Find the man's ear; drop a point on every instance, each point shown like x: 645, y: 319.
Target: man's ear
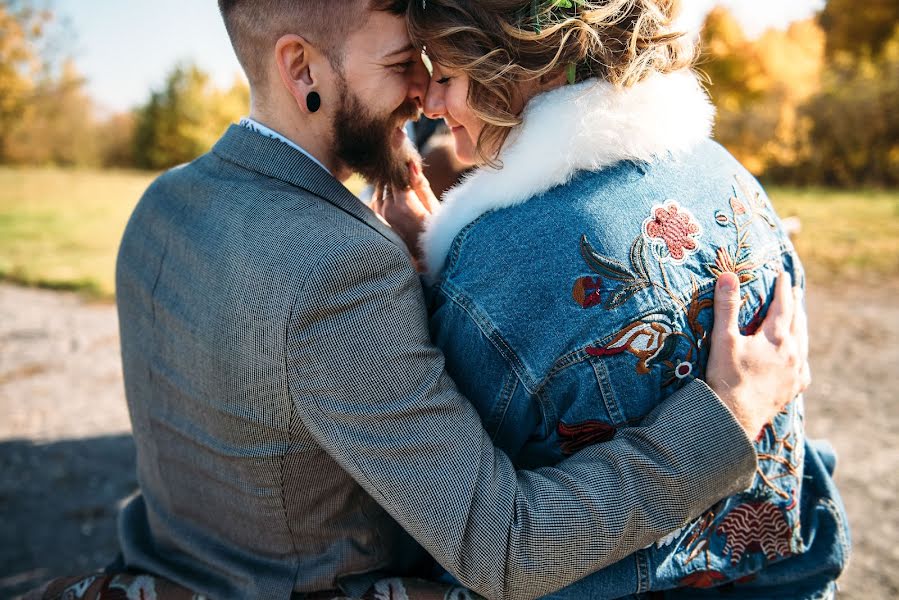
x: 295, y: 56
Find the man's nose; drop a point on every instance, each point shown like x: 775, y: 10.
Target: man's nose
x: 419, y: 78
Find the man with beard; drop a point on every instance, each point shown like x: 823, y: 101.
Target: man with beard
x: 295, y: 430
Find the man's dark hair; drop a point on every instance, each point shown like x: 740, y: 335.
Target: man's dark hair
x: 255, y: 25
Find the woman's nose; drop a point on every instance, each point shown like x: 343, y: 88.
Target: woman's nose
x: 434, y: 106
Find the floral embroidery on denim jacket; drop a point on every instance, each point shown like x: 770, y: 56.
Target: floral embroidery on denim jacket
x: 758, y: 523
x: 571, y: 316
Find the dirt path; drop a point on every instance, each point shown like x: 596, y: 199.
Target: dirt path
x: 66, y: 458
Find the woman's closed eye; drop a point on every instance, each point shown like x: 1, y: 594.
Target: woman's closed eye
x: 443, y: 80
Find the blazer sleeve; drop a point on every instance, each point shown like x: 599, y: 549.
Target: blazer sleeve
x: 371, y: 388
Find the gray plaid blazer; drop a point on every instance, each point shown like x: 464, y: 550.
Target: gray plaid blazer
x: 296, y: 430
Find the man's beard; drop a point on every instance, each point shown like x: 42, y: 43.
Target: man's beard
x: 364, y: 142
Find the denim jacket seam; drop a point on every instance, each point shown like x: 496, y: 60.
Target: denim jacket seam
x: 838, y: 516
x: 568, y: 359
x: 455, y: 251
x: 608, y: 337
x: 488, y: 330
x: 607, y: 392
x: 497, y: 416
x: 641, y: 560
x: 495, y: 338
x: 533, y: 387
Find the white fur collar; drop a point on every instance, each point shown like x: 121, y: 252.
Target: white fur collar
x: 588, y: 126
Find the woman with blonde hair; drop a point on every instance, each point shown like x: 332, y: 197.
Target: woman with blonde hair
x: 578, y: 260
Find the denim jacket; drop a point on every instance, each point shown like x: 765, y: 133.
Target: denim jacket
x: 584, y: 268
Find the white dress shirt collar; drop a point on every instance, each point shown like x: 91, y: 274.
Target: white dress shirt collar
x: 271, y: 133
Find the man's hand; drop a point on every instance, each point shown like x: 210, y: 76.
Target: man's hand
x: 757, y: 375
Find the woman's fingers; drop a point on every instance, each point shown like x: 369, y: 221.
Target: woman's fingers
x: 422, y: 187
x: 408, y: 209
x: 778, y: 321
x: 405, y: 204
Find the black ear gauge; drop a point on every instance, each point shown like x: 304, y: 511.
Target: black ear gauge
x: 313, y: 102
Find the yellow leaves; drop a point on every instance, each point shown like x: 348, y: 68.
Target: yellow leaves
x: 813, y: 103
x: 56, y: 126
x: 859, y: 29
x: 185, y: 118
x: 759, y: 85
x: 20, y: 64
x: 794, y: 59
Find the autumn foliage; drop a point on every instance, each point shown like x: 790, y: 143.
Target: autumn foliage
x: 812, y: 104
x: 48, y: 118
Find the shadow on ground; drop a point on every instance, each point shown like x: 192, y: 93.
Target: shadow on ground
x: 81, y: 482
x: 60, y: 380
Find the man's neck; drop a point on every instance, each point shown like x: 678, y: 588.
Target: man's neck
x: 304, y: 136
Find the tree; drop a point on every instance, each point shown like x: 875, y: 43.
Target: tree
x: 758, y: 86
x: 852, y: 125
x: 116, y: 140
x: 184, y: 119
x: 20, y: 62
x: 859, y: 28
x: 57, y: 127
x: 730, y: 62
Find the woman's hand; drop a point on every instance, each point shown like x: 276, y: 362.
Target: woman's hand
x: 757, y: 375
x: 407, y: 210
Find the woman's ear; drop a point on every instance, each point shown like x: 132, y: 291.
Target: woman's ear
x: 294, y: 56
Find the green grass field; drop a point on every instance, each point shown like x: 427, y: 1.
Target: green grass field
x: 845, y: 234
x: 60, y: 229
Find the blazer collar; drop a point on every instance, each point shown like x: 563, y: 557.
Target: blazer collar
x: 275, y: 159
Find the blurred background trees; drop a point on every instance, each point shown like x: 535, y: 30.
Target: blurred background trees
x: 185, y: 118
x: 813, y: 104
x: 859, y: 28
x: 21, y: 27
x: 48, y: 118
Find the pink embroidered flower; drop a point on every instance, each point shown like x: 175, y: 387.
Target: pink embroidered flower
x: 676, y: 227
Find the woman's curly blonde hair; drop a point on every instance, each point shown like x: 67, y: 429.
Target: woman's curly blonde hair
x: 500, y: 44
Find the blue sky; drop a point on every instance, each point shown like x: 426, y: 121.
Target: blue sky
x: 125, y: 47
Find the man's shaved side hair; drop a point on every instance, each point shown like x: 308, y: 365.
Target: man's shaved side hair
x: 254, y: 27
